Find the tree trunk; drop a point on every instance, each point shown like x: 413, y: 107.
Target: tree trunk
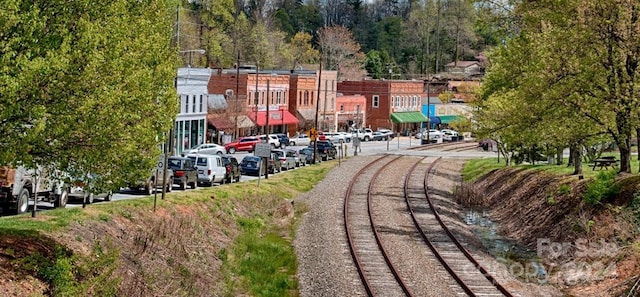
x: 576, y: 158
x: 559, y: 156
x: 624, y: 134
x: 572, y: 151
x: 638, y: 145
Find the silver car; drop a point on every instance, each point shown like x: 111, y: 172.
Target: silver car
x: 206, y: 149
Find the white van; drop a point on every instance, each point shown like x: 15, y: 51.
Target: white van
x: 211, y: 169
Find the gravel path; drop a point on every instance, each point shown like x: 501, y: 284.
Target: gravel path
x: 325, y: 267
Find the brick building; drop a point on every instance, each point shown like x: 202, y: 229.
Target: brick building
x: 400, y: 100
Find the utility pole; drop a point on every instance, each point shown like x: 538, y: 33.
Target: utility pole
x: 315, y: 142
x: 257, y: 99
x: 236, y: 130
x: 324, y: 113
x: 266, y: 130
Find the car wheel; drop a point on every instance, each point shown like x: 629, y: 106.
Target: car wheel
x: 89, y: 199
x: 62, y: 199
x: 109, y: 196
x: 183, y: 185
x: 292, y: 143
x: 23, y: 201
x: 366, y: 138
x: 232, y: 150
x: 238, y: 178
x: 194, y: 185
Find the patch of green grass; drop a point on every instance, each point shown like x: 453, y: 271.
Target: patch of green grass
x: 267, y: 264
x: 476, y: 168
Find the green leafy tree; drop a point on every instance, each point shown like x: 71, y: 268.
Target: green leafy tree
x: 86, y: 86
x: 302, y: 50
x: 374, y: 64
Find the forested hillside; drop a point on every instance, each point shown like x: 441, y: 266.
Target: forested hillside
x: 394, y: 39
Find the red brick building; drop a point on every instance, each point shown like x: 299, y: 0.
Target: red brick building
x: 252, y: 95
x: 387, y: 97
x: 350, y: 111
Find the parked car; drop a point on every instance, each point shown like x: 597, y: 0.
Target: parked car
x: 210, y: 169
x: 379, y: 136
x: 295, y: 156
x: 232, y: 168
x: 250, y: 165
x: 206, y: 148
x: 185, y: 172
x: 450, y: 135
x: 300, y: 139
x: 284, y: 139
x: 326, y: 150
x: 285, y: 162
x: 387, y: 132
x: 155, y: 180
x: 433, y: 134
x: 347, y: 136
x: 275, y: 164
x: 246, y: 144
x: 307, y: 155
x: 335, y: 137
x: 273, y: 140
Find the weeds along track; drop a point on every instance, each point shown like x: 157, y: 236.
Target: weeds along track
x: 471, y: 278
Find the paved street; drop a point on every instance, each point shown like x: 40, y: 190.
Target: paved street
x: 395, y: 146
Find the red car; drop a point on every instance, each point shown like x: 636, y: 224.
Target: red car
x: 246, y: 144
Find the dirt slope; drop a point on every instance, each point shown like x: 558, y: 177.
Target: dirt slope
x: 589, y: 250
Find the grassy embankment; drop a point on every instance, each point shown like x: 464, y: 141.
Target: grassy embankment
x: 259, y: 260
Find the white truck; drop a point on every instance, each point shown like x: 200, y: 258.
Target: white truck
x: 19, y: 185
x: 364, y: 134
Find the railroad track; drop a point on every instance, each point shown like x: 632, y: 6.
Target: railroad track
x: 377, y: 273
x: 471, y: 277
x: 374, y: 263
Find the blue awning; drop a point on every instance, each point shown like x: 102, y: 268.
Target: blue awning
x: 434, y: 120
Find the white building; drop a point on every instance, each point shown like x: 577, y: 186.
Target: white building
x: 191, y: 123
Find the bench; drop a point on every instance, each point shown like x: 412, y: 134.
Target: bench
x: 605, y: 162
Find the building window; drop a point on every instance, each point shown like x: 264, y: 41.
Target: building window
x: 376, y: 101
x: 341, y: 107
x: 201, y: 103
x: 333, y: 104
x: 186, y: 103
x: 193, y: 109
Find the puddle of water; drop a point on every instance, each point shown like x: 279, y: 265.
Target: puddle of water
x: 520, y: 261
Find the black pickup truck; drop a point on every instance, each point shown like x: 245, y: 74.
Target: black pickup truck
x: 326, y: 150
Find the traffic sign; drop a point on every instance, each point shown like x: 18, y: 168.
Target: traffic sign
x: 263, y: 149
x: 313, y: 134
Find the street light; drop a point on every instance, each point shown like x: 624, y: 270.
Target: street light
x: 199, y: 51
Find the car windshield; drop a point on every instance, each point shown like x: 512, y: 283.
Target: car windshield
x: 202, y: 162
x: 278, y: 153
x: 175, y: 163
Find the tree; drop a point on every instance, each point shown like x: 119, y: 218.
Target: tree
x: 374, y: 64
x: 87, y: 86
x: 302, y: 50
x: 340, y: 52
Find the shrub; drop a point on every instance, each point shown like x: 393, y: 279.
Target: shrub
x: 601, y: 188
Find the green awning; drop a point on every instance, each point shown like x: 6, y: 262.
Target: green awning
x: 408, y: 117
x: 446, y: 119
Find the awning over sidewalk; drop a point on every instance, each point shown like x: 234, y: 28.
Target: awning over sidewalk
x: 446, y: 119
x: 408, y: 117
x: 276, y: 117
x: 221, y: 122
